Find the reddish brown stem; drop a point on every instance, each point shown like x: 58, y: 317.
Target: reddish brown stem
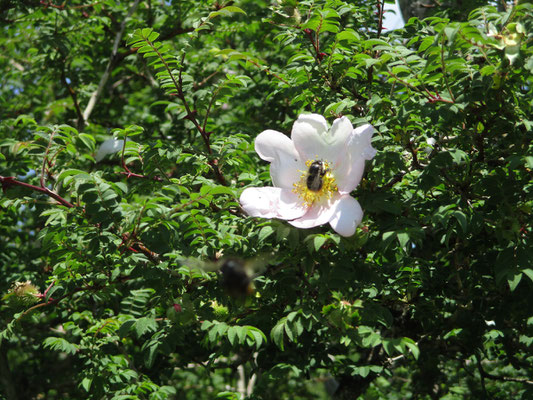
x: 70, y: 294
x: 381, y: 5
x: 7, y: 181
x: 130, y: 174
x: 316, y: 44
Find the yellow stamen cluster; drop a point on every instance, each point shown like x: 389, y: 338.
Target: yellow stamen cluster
x: 308, y: 197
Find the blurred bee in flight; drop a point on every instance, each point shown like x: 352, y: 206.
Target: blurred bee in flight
x: 237, y: 278
x: 236, y: 274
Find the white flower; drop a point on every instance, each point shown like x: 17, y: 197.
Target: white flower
x: 313, y: 174
x: 108, y: 146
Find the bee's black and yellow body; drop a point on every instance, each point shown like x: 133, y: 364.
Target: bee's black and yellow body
x: 235, y: 278
x: 316, y: 172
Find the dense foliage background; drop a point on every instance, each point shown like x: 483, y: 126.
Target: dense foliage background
x: 431, y: 298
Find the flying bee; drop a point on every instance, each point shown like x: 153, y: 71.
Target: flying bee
x: 316, y: 172
x: 236, y: 274
x: 236, y: 278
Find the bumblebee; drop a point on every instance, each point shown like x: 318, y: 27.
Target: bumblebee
x: 236, y: 279
x: 316, y: 172
x: 236, y: 274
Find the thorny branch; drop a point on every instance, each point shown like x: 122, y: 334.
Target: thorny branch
x: 127, y: 171
x: 70, y: 294
x: 7, y: 181
x: 381, y: 4
x: 74, y: 96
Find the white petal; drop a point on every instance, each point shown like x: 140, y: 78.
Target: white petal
x: 360, y: 142
x: 278, y: 149
x: 340, y: 133
x: 308, y: 134
x: 349, y: 174
x: 271, y: 202
x: 108, y: 146
x: 290, y: 206
x: 350, y: 165
x: 313, y: 141
x: 258, y: 202
x: 318, y: 214
x: 316, y: 121
x: 348, y: 214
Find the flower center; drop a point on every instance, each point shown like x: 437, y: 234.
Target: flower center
x: 315, y: 184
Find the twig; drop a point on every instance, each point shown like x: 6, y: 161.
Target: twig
x: 45, y: 160
x: 444, y: 69
x: 130, y: 174
x: 81, y: 121
x: 370, y: 73
x: 70, y: 294
x: 191, y: 115
x: 395, y: 179
x: 381, y: 6
x: 430, y: 97
x: 315, y: 42
x: 7, y: 181
x: 488, y: 375
x: 167, y: 36
x: 107, y: 72
x: 413, y: 151
x: 268, y: 71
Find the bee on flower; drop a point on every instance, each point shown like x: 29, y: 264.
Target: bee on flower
x: 313, y: 173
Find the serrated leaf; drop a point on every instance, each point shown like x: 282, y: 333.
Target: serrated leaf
x: 513, y: 279
x: 234, y: 9
x: 411, y: 345
x: 232, y: 334
x: 276, y: 334
x: 144, y: 325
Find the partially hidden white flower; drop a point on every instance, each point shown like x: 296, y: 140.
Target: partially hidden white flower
x: 108, y: 146
x: 313, y: 174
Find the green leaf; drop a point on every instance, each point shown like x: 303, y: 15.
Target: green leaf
x: 86, y: 384
x: 349, y: 35
x: 234, y: 9
x: 528, y: 272
x: 411, y: 345
x: 513, y: 279
x: 144, y: 325
x: 60, y: 344
x: 126, y: 327
x: 232, y: 334
x: 318, y: 241
x: 276, y: 334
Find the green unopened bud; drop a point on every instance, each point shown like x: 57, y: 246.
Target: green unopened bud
x: 22, y: 294
x: 221, y: 312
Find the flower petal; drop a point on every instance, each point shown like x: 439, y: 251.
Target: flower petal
x: 108, y: 146
x: 286, y: 165
x: 318, y: 214
x: 348, y: 214
x: 271, y: 202
x: 308, y: 134
x: 350, y: 165
x: 361, y: 142
x: 340, y: 133
x: 313, y: 141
